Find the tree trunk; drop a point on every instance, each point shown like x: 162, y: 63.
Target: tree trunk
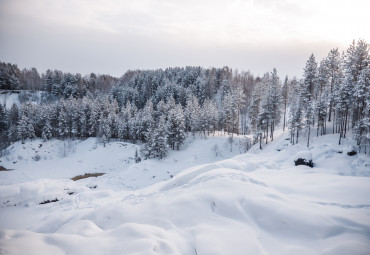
x: 297, y: 136
x: 260, y: 141
x: 345, y: 125
x: 308, y: 138
x: 318, y: 127
x: 333, y: 121
x: 267, y: 131
x: 272, y: 131
x: 284, y: 116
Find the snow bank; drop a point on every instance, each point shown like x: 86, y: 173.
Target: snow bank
x: 303, y: 154
x: 257, y: 203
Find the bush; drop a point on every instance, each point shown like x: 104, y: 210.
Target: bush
x: 36, y: 157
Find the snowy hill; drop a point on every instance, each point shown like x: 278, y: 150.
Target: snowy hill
x: 252, y: 203
x: 8, y: 97
x: 57, y: 159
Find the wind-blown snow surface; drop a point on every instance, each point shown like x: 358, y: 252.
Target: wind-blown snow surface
x: 254, y: 203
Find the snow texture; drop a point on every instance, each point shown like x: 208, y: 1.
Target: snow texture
x: 8, y: 99
x: 252, y: 203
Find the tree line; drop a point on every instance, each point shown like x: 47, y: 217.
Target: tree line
x: 161, y: 107
x: 335, y: 92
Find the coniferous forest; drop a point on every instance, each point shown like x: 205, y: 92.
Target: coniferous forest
x: 159, y: 108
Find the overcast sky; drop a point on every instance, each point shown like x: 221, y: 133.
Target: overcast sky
x: 112, y: 36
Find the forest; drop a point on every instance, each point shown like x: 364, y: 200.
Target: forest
x: 160, y: 108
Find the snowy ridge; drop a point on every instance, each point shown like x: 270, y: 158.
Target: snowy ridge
x: 253, y: 203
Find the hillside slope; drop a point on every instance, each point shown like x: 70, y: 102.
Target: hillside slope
x: 253, y: 203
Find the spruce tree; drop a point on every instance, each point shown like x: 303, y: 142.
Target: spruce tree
x: 176, y: 127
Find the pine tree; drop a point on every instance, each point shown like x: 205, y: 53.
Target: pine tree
x: 161, y: 137
x: 3, y: 117
x: 333, y: 65
x: 105, y: 131
x: 322, y: 80
x: 254, y: 111
x: 296, y: 114
x: 47, y: 131
x: 68, y: 85
x: 75, y: 116
x: 25, y: 127
x: 308, y: 121
x: 157, y: 143
x: 200, y: 87
x: 192, y: 114
x: 310, y: 78
x: 83, y: 113
x: 270, y: 105
x: 93, y: 121
x: 56, y: 87
x: 48, y: 81
x: 13, y: 119
x: 229, y: 114
x: 146, y: 120
x: 362, y: 101
x: 63, y: 120
x: 308, y: 94
x: 208, y: 117
x: 357, y: 83
x: 320, y: 110
x: 284, y: 95
x: 176, y: 127
x: 137, y: 157
x: 275, y: 90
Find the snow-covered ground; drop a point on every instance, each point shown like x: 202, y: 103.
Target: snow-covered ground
x: 7, y: 99
x: 192, y: 202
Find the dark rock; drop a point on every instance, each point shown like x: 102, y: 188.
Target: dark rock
x: 302, y: 161
x: 49, y: 201
x: 351, y: 151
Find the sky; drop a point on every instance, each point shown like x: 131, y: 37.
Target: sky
x: 113, y: 36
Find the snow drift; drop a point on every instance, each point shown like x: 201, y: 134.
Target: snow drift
x: 254, y: 203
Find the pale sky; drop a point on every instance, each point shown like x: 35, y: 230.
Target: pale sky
x: 112, y: 36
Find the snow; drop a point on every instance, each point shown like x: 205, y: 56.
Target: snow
x: 304, y: 155
x: 256, y: 203
x: 8, y: 99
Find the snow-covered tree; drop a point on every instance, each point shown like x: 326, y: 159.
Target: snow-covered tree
x: 320, y: 111
x: 295, y: 114
x: 176, y: 127
x: 333, y: 65
x: 310, y: 78
x: 47, y: 130
x: 105, y: 130
x: 157, y: 140
x: 208, y: 117
x: 284, y: 96
x: 307, y: 96
x: 63, y: 120
x: 25, y: 126
x: 192, y: 114
x: 229, y: 114
x: 270, y: 104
